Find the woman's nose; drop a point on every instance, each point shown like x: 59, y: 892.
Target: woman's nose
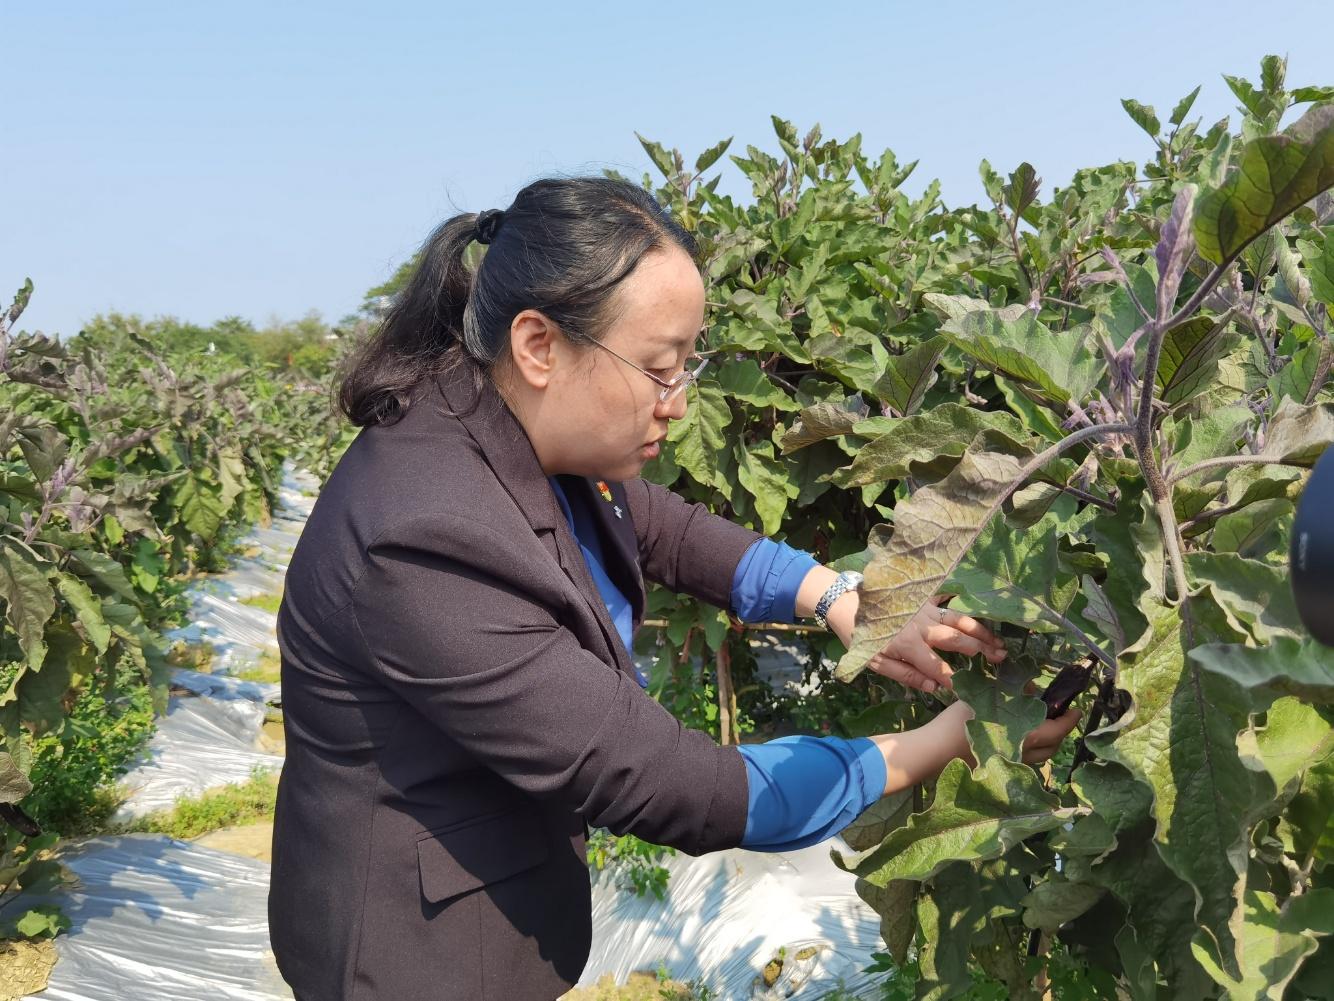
x: 675, y: 408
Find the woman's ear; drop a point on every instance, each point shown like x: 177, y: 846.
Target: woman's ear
x: 533, y: 348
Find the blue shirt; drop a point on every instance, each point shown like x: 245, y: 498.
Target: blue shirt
x: 826, y: 781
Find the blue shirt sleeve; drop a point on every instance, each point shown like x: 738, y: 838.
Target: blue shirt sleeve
x: 766, y: 582
x: 804, y: 790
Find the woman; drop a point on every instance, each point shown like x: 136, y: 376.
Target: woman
x: 458, y: 692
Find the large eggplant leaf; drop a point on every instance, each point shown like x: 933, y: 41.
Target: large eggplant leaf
x: 933, y: 530
x: 1180, y: 739
x: 975, y: 816
x: 1273, y: 176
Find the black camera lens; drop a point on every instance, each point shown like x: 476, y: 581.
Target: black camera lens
x: 1312, y: 556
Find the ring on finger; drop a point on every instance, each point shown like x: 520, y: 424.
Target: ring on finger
x: 943, y: 610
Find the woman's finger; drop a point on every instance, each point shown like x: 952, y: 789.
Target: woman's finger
x: 927, y: 662
x: 968, y: 626
x: 1047, y: 736
x: 902, y: 672
x: 944, y: 637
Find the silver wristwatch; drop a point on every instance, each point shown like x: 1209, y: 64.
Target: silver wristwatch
x: 848, y: 580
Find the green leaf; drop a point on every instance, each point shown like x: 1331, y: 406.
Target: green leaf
x: 767, y: 481
x: 711, y: 155
x: 933, y: 529
x: 662, y: 159
x: 1056, y: 363
x: 1216, y: 433
x: 41, y: 694
x: 746, y: 381
x: 1311, y: 814
x: 45, y: 920
x: 1053, y: 902
x: 200, y: 506
x: 1254, y: 530
x: 1014, y: 576
x: 1275, y: 176
x: 1319, y: 261
x: 1294, y: 737
x: 975, y: 816
x: 1256, y: 597
x: 908, y: 376
x: 1183, y: 107
x: 698, y: 438
x: 1180, y: 739
x: 1305, y: 375
x: 1275, y: 940
x: 1022, y: 190
x: 895, y: 903
x: 88, y: 609
x: 29, y: 600
x: 1003, y: 715
x: 875, y: 823
x: 1190, y: 357
x: 1142, y: 115
x: 1285, y: 665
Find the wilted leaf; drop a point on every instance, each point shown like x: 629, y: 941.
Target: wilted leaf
x: 940, y: 434
x: 1175, y: 249
x: 1275, y: 176
x: 934, y: 528
x: 1300, y: 434
x: 821, y: 421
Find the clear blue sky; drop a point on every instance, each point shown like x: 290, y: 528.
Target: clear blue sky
x: 265, y: 159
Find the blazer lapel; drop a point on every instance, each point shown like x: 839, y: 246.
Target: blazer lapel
x: 509, y: 453
x: 620, y: 547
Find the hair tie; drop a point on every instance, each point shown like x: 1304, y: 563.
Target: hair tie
x: 488, y: 225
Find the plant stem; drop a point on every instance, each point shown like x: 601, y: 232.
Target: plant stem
x: 1231, y: 460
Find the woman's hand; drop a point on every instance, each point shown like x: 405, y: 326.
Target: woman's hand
x: 920, y: 755
x: 1040, y: 744
x: 909, y: 658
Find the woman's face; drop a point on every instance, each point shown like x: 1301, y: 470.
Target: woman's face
x: 588, y: 412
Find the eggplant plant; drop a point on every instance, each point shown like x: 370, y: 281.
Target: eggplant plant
x: 1088, y: 419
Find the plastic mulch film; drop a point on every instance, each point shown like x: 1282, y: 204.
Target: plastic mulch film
x: 210, y: 735
x: 727, y: 915
x: 162, y: 920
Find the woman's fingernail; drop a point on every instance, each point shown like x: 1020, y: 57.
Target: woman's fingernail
x: 929, y: 687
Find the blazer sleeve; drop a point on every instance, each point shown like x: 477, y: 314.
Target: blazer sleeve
x: 448, y: 610
x: 683, y: 546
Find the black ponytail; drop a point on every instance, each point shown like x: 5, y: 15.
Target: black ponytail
x: 562, y: 248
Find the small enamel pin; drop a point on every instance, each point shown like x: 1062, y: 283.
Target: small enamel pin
x: 604, y: 490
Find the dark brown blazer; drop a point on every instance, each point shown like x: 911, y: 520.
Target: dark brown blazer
x: 458, y: 707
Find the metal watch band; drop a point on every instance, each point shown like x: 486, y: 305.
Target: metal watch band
x: 846, y: 581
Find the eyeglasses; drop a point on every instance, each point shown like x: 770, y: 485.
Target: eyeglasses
x: 673, y: 387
